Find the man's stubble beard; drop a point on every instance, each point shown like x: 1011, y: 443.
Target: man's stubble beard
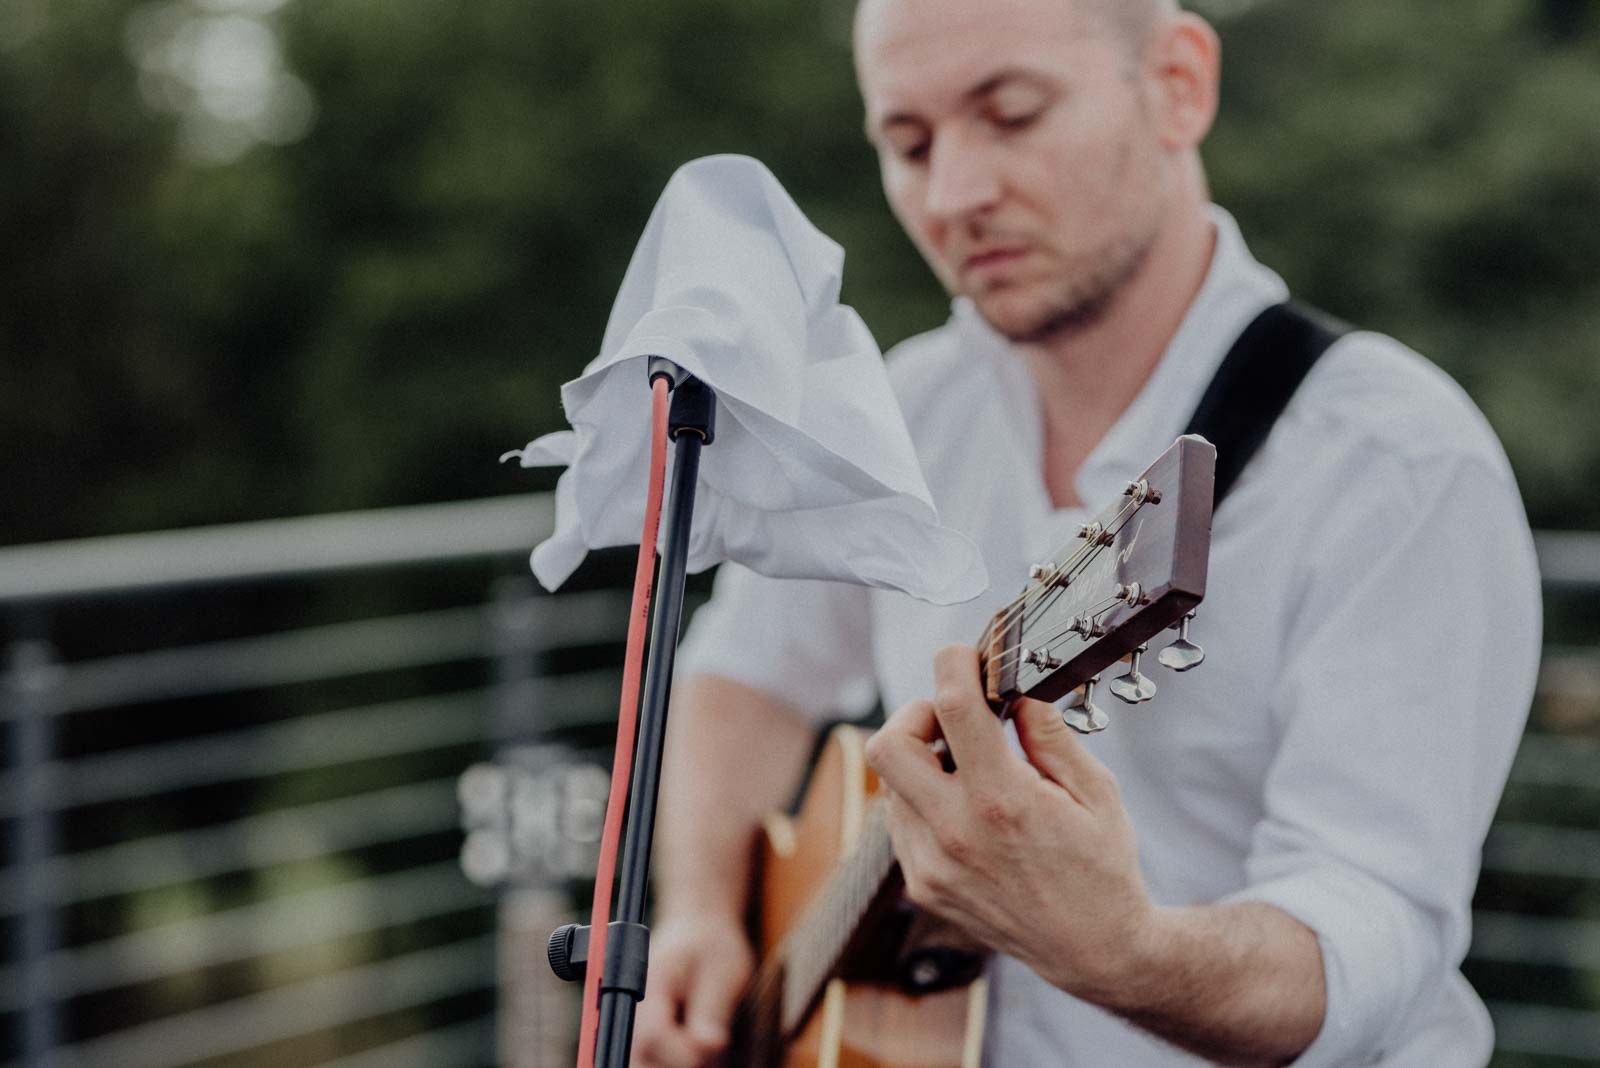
x: 1076, y: 303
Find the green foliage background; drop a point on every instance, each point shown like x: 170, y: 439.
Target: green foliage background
x: 368, y: 316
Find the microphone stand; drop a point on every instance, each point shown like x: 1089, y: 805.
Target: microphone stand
x: 691, y: 425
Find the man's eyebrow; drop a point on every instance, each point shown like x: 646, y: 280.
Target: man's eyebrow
x: 993, y: 82
x: 1003, y: 78
x: 898, y: 118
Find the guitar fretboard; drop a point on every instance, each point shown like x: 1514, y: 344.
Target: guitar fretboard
x: 796, y: 973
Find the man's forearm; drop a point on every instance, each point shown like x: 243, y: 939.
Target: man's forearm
x: 1241, y: 984
x: 733, y: 755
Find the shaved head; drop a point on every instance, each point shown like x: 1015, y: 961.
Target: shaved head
x: 1135, y: 16
x: 1131, y: 20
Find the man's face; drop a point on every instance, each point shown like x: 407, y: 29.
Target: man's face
x: 1017, y: 151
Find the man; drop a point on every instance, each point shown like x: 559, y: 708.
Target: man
x: 1310, y: 806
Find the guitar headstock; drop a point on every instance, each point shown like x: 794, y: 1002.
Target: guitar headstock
x: 1137, y: 569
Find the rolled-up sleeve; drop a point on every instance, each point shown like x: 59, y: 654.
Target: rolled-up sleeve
x: 1411, y: 662
x: 807, y: 642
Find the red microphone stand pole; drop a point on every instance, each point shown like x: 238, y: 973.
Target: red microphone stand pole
x: 691, y: 425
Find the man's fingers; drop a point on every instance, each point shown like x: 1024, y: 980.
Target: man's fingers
x: 976, y: 738
x: 658, y: 1041
x: 914, y: 847
x: 1056, y: 750
x: 717, y: 986
x: 696, y: 976
x: 668, y: 1047
x: 899, y: 752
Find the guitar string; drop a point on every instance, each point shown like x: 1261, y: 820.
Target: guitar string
x: 1058, y: 589
x: 804, y: 959
x: 1067, y: 632
x: 839, y: 896
x: 1070, y: 568
x: 815, y: 950
x: 1073, y: 562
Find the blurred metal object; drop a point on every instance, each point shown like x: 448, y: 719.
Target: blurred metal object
x: 32, y: 679
x: 537, y: 1021
x: 276, y: 548
x: 532, y: 817
x: 1569, y: 560
x: 1182, y: 654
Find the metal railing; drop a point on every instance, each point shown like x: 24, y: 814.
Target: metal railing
x: 327, y: 921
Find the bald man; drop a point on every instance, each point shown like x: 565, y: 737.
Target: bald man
x: 1308, y: 813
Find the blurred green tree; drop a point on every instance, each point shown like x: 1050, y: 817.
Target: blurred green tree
x: 369, y: 314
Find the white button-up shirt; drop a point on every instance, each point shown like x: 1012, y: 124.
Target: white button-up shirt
x: 1371, y: 627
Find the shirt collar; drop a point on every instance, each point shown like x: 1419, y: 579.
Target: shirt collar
x: 1236, y: 289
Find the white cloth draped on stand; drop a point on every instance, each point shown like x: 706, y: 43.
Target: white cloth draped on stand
x: 812, y: 474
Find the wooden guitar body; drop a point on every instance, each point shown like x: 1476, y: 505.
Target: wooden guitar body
x: 866, y: 1020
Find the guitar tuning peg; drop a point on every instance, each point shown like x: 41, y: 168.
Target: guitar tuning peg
x: 1133, y: 687
x: 1081, y: 713
x: 1182, y: 654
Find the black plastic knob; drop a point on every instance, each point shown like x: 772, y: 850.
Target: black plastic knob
x: 568, y: 952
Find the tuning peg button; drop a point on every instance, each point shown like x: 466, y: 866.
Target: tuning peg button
x: 1182, y: 654
x: 1081, y: 713
x: 1134, y: 688
x: 1040, y: 659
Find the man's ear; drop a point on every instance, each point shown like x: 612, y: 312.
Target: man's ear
x: 1182, y: 64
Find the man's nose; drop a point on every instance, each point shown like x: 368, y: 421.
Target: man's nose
x: 961, y: 180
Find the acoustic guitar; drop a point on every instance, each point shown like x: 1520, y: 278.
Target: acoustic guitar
x: 850, y: 976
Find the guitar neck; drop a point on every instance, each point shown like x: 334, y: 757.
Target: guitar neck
x: 866, y: 880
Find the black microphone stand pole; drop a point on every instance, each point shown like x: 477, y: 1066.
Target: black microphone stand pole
x: 691, y: 425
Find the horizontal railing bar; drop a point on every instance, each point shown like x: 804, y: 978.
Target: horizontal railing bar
x: 1568, y: 672
x: 309, y: 655
x: 1555, y: 941
x: 282, y: 836
x: 334, y: 651
x: 288, y: 921
x: 1569, y: 560
x: 1521, y: 848
x: 566, y: 702
x: 1554, y: 760
x: 276, y: 548
x: 303, y: 832
x: 1545, y: 1030
x: 416, y: 534
x: 302, y: 1008
x: 469, y: 1044
x: 305, y: 743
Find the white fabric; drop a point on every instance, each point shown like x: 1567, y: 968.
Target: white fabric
x: 812, y: 473
x: 1371, y: 629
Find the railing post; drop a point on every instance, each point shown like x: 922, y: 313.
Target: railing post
x: 515, y: 626
x: 31, y: 689
x: 534, y: 1009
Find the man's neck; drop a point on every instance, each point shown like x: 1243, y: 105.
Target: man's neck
x: 1087, y: 379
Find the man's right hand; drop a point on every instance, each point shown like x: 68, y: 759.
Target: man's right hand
x: 699, y: 965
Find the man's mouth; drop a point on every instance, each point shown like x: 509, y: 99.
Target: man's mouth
x: 989, y: 259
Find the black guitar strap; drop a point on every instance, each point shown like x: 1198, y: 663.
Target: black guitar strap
x: 1255, y: 381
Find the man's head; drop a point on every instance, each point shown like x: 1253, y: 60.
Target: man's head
x: 1036, y: 149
